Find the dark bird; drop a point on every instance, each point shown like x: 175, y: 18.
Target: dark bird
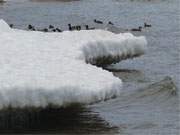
x: 11, y: 25
x: 30, y: 27
x: 87, y: 27
x: 97, y: 21
x: 58, y: 30
x: 137, y: 29
x: 51, y: 27
x: 110, y: 23
x: 54, y: 30
x: 146, y: 25
x: 71, y: 27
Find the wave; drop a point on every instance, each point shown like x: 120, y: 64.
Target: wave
x: 38, y: 69
x: 163, y: 93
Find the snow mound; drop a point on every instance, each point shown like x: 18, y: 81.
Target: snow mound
x: 113, y: 48
x: 4, y: 26
x: 38, y: 69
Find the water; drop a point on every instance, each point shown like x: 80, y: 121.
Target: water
x: 142, y: 108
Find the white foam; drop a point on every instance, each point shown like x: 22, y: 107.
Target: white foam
x: 37, y: 69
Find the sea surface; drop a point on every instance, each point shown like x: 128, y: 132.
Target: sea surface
x: 149, y: 103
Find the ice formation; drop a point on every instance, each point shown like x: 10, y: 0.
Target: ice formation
x: 38, y: 69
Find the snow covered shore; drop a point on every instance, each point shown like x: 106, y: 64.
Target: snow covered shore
x: 38, y: 69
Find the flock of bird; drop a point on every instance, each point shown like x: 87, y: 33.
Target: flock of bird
x: 52, y: 28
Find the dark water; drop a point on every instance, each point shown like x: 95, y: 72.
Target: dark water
x: 147, y: 105
x: 75, y: 119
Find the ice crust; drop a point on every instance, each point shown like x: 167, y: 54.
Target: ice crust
x: 38, y: 69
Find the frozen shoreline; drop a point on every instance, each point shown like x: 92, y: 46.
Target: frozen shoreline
x: 50, y: 68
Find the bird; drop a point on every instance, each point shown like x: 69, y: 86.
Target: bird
x: 110, y: 23
x: 30, y: 27
x: 71, y: 27
x: 146, y: 25
x: 87, y: 27
x: 51, y: 27
x: 97, y: 21
x: 11, y: 25
x: 54, y: 30
x: 137, y: 29
x: 58, y: 30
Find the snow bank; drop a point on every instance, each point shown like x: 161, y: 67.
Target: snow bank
x: 38, y: 69
x: 113, y: 48
x: 4, y: 27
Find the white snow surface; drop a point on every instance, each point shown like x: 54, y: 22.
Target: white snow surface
x: 38, y: 69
